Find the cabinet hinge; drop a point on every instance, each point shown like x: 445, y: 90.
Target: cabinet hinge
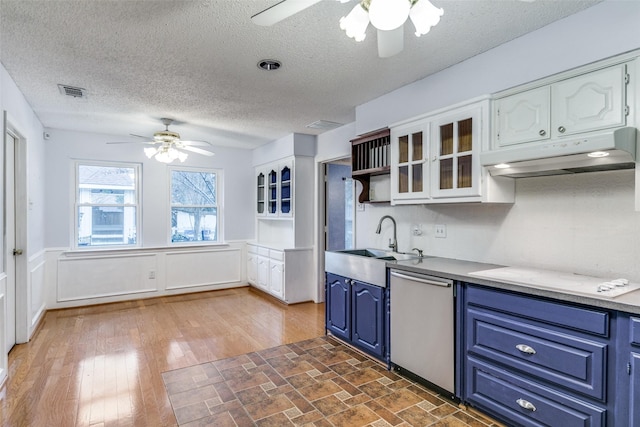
x: 628, y: 368
x: 626, y: 110
x: 627, y: 78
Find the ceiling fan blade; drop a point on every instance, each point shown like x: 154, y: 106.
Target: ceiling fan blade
x: 196, y: 143
x: 390, y: 42
x: 280, y: 11
x: 197, y: 150
x: 133, y: 142
x: 140, y: 136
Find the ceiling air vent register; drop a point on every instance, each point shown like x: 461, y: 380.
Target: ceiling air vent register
x: 76, y: 92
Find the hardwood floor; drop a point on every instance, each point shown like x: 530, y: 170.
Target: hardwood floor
x: 102, y: 365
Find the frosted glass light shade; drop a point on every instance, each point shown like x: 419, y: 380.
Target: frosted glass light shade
x: 424, y: 15
x: 150, y: 151
x: 388, y: 15
x: 168, y: 155
x: 355, y: 23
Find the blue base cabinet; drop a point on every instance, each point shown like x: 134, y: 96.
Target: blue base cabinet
x: 629, y: 375
x: 530, y: 361
x: 357, y: 313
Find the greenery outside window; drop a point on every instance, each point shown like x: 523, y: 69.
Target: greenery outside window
x: 195, y: 213
x: 106, y: 208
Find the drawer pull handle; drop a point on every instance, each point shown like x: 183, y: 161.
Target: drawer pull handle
x: 526, y: 405
x: 525, y: 349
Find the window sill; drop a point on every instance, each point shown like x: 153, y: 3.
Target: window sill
x: 137, y: 250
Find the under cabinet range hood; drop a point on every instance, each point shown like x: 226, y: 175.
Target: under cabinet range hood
x: 614, y: 149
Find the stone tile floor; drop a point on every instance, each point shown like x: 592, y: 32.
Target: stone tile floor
x: 318, y: 382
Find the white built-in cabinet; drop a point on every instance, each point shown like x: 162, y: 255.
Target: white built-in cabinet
x: 283, y: 274
x: 585, y: 103
x: 435, y: 158
x: 279, y: 262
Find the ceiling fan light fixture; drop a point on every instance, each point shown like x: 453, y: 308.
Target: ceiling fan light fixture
x: 424, y: 15
x: 169, y: 154
x: 388, y: 15
x: 356, y: 22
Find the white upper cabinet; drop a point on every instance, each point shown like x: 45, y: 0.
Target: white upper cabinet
x: 436, y: 158
x: 523, y: 117
x: 590, y: 102
x: 455, y: 160
x: 409, y: 162
x: 585, y: 103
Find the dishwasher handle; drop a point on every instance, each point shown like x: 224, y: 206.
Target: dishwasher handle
x: 428, y: 280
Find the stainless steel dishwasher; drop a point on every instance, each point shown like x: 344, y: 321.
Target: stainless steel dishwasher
x: 422, y: 327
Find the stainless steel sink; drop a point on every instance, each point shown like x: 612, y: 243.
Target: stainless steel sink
x: 367, y: 265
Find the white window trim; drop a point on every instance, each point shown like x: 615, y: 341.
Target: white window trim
x: 219, y: 206
x: 138, y: 205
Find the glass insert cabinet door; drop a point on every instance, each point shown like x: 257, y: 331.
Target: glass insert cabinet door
x: 272, y: 192
x: 455, y: 163
x: 260, y: 193
x: 285, y: 190
x: 410, y: 150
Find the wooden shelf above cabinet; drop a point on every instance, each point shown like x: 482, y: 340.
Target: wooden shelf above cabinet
x: 370, y: 155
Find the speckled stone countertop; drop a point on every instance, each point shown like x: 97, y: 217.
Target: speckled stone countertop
x: 459, y: 270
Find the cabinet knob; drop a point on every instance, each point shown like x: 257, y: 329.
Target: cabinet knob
x: 525, y: 349
x: 525, y: 404
x: 561, y: 129
x: 542, y: 132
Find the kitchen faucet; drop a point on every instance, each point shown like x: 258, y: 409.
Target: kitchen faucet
x: 393, y: 244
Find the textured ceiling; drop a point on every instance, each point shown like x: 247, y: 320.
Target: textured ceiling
x: 195, y: 61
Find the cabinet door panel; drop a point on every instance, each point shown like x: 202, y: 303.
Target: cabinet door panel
x: 409, y: 153
x: 634, y: 394
x: 523, y: 117
x: 367, y: 318
x: 338, y: 306
x: 252, y: 268
x: 263, y: 272
x: 455, y: 163
x: 276, y: 278
x: 589, y: 102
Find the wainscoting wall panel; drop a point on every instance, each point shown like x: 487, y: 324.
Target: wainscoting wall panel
x: 77, y: 278
x: 85, y: 277
x: 4, y: 360
x: 37, y: 297
x: 187, y: 269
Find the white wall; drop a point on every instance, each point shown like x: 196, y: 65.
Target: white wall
x: 64, y: 147
x: 30, y: 295
x: 604, y: 30
x: 584, y: 223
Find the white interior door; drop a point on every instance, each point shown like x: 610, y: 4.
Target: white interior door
x: 9, y: 241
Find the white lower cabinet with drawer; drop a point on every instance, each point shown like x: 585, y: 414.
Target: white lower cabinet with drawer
x: 531, y: 361
x: 283, y: 273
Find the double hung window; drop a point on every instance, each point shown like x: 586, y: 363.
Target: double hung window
x: 107, y: 201
x: 195, y: 213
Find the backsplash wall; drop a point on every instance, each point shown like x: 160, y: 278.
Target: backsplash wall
x: 582, y: 223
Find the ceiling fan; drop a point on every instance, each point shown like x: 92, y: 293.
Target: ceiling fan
x: 387, y: 16
x: 166, y: 146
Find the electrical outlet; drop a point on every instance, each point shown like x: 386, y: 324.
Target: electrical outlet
x: 440, y: 231
x: 152, y: 274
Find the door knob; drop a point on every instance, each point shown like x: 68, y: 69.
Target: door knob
x: 17, y: 252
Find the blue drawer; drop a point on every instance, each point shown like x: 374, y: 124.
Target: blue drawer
x: 635, y: 330
x: 506, y: 396
x: 576, y: 364
x: 567, y: 316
